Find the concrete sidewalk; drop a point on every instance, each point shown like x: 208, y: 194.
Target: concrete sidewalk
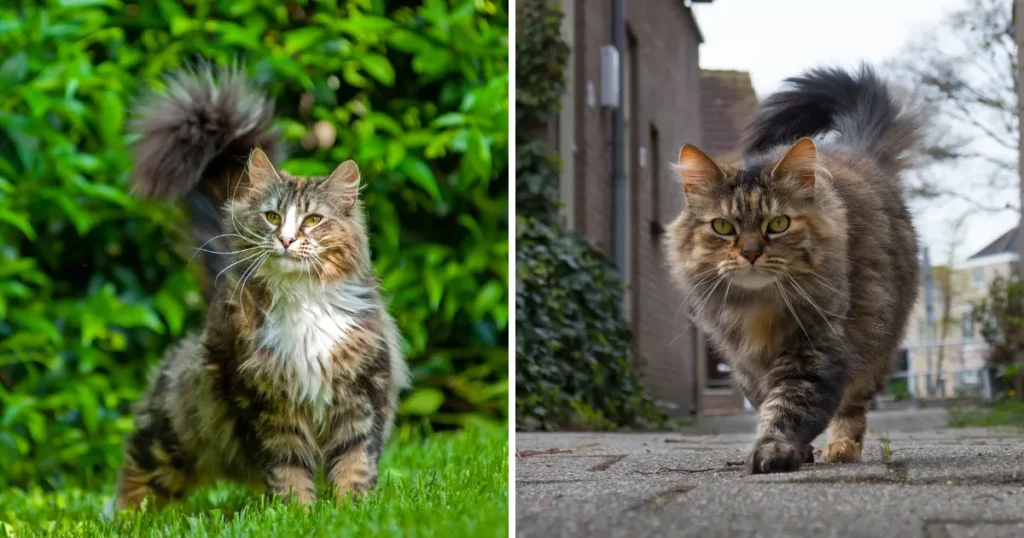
x: 937, y: 482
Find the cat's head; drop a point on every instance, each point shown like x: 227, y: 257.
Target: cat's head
x: 755, y: 225
x: 289, y: 227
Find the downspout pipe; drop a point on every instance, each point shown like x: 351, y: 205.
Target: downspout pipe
x: 618, y: 139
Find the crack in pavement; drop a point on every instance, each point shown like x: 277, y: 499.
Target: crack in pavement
x: 604, y: 465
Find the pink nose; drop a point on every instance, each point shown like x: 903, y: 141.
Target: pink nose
x: 286, y: 241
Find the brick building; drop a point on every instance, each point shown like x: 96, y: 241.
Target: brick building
x: 660, y: 110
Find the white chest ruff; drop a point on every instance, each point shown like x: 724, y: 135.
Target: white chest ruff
x: 303, y: 328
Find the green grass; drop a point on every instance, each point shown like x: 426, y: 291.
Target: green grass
x: 449, y: 485
x: 1005, y: 412
x: 886, y: 447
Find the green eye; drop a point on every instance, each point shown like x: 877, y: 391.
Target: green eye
x: 313, y: 220
x: 722, y: 226
x: 778, y: 224
x: 272, y: 217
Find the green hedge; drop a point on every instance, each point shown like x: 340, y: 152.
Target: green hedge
x: 572, y: 341
x: 93, y: 282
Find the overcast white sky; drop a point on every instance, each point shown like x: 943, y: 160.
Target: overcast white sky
x: 779, y: 38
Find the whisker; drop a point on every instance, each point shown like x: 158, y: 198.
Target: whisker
x: 253, y: 268
x: 702, y: 303
x: 721, y: 307
x: 813, y: 304
x: 212, y: 239
x: 825, y: 281
x: 791, y: 309
x: 249, y: 257
x: 229, y: 253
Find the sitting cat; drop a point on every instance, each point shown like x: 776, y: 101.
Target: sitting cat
x: 298, y: 365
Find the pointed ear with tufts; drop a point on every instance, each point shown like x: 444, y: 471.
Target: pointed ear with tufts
x: 344, y: 181
x: 697, y: 168
x: 261, y: 170
x: 800, y: 161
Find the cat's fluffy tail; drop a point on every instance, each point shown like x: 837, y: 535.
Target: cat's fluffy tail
x: 859, y: 106
x: 194, y: 141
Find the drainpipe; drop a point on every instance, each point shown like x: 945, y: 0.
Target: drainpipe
x: 929, y: 313
x: 618, y: 136
x: 1018, y: 24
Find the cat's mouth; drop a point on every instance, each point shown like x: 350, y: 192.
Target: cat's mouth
x: 752, y: 278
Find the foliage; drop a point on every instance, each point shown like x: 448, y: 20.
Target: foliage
x: 964, y: 71
x: 446, y: 486
x: 572, y: 362
x: 93, y: 283
x: 1006, y: 411
x: 1001, y: 315
x: 572, y: 341
x: 540, y: 60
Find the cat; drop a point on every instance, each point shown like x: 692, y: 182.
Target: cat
x: 298, y: 365
x: 800, y: 262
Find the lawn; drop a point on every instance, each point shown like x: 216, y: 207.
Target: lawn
x: 449, y: 485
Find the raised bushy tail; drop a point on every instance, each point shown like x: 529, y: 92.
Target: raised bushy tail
x: 194, y: 141
x: 859, y: 106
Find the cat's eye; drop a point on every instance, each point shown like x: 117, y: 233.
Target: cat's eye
x: 722, y: 226
x: 312, y: 220
x: 272, y: 217
x: 778, y: 224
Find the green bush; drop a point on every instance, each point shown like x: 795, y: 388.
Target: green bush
x: 94, y: 283
x: 572, y: 340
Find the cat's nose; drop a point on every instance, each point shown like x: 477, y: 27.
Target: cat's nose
x: 286, y: 241
x: 752, y: 251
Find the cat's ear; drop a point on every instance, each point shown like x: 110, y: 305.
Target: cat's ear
x: 801, y: 161
x: 344, y: 181
x: 261, y: 170
x: 696, y: 168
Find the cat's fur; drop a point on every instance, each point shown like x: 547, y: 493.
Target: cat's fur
x: 812, y: 326
x: 298, y: 366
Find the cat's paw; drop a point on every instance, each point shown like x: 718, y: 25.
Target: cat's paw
x: 842, y: 450
x: 809, y: 453
x: 774, y: 456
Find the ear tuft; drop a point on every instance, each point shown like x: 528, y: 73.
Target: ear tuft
x: 344, y: 181
x: 261, y: 170
x: 697, y: 168
x: 801, y: 160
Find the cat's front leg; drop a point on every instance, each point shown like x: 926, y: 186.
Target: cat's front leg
x: 289, y: 456
x: 353, y: 456
x: 803, y: 389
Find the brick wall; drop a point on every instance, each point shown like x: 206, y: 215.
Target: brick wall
x: 664, y: 40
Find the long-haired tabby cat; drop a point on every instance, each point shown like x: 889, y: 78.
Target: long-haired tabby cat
x: 298, y: 366
x: 801, y: 261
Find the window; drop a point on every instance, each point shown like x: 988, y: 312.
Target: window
x: 978, y: 277
x: 968, y: 326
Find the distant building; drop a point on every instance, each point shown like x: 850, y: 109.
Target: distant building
x: 963, y: 351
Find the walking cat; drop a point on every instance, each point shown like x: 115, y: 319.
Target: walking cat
x: 298, y: 365
x: 801, y: 261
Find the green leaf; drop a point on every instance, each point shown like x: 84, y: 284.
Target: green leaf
x: 18, y: 222
x: 416, y: 169
x: 422, y: 402
x: 172, y: 310
x: 492, y: 295
x: 302, y: 39
x: 379, y: 68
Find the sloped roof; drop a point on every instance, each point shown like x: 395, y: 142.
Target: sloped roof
x: 1005, y: 243
x: 727, y: 100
